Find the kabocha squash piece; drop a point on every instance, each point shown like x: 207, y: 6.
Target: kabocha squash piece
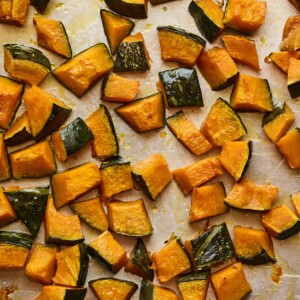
x: 235, y: 158
x: 19, y: 132
x: 39, y: 5
x: 208, y: 17
x: 245, y: 16
x: 71, y: 184
x: 144, y: 114
x: 253, y: 246
x: 129, y: 218
x: 72, y: 266
x: 217, y: 68
x: 108, y: 252
x: 152, y: 174
x: 296, y: 3
x: 85, y: 69
x: 242, y: 50
x: 7, y: 212
x: 46, y: 113
x: 116, y: 28
x: 277, y: 122
x: 115, y: 88
x: 132, y: 55
x: 248, y: 195
x: 116, y: 177
x: 105, y: 143
x: 139, y: 262
x: 70, y: 139
x: 41, y: 266
x: 14, y: 249
x: 26, y: 63
x: 132, y: 9
x: 222, y: 124
x: 179, y: 45
x: 282, y: 59
x: 197, y: 174
x: 92, y: 213
x: 291, y: 34
x: 289, y: 147
x: 30, y: 205
x: 207, y: 202
x: 171, y: 260
x: 211, y: 247
x: 60, y: 228
x: 180, y: 87
x: 194, y: 285
x: 14, y: 12
x: 34, y: 161
x: 10, y: 99
x: 293, y: 80
x: 51, y: 35
x: 295, y: 200
x: 56, y: 292
x: 280, y: 222
x: 188, y: 134
x: 5, y: 172
x: 231, y: 281
x: 112, y: 288
x: 149, y: 291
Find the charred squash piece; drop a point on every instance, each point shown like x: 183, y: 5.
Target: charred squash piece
x: 296, y: 202
x: 70, y: 139
x: 19, y: 132
x: 105, y: 143
x: 108, y: 252
x: 144, y: 114
x: 222, y: 124
x: 289, y: 147
x: 253, y: 246
x: 180, y: 87
x: 291, y: 34
x: 71, y: 184
x: 211, y: 247
x: 179, y: 45
x: 208, y: 17
x: 34, y: 161
x: 282, y: 59
x: 197, y: 174
x: 152, y: 174
x: 61, y: 229
x: 149, y: 291
x: 235, y: 158
x: 5, y: 172
x: 7, y: 212
x: 10, y: 99
x: 207, y: 202
x: 242, y: 50
x: 231, y: 281
x: 30, y: 205
x: 46, y: 113
x: 61, y: 293
x: 82, y: 71
x: 72, y: 266
x: 194, y: 285
x: 129, y: 218
x: 245, y: 16
x: 293, y: 80
x: 118, y: 89
x: 116, y: 28
x: 39, y: 5
x: 14, y: 249
x: 280, y: 222
x: 132, y: 55
x: 116, y: 177
x: 14, y: 12
x: 139, y: 262
x: 92, y: 213
x: 188, y: 134
x: 171, y: 260
x: 51, y: 35
x: 248, y: 195
x: 113, y: 288
x: 132, y: 9
x: 41, y: 266
x: 26, y: 63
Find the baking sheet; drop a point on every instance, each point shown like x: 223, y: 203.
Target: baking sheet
x: 170, y: 212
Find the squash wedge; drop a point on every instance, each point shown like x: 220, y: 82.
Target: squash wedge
x: 14, y: 12
x: 291, y: 34
x: 282, y: 59
x: 5, y: 172
x: 132, y: 9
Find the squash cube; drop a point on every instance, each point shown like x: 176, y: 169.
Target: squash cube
x: 14, y: 12
x: 282, y: 59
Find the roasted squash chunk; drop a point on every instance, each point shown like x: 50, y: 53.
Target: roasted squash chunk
x: 149, y: 291
x: 248, y: 195
x: 171, y: 260
x: 61, y: 293
x: 293, y: 80
x: 7, y: 212
x: 133, y: 9
x: 291, y: 34
x: 282, y: 59
x: 296, y: 201
x: 13, y: 12
x: 5, y: 173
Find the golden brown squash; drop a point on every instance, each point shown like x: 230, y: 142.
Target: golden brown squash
x: 13, y: 12
x: 282, y: 59
x: 5, y: 173
x: 291, y: 34
x: 7, y: 212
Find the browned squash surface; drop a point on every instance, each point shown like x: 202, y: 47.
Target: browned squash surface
x: 291, y: 34
x: 7, y: 212
x: 13, y: 11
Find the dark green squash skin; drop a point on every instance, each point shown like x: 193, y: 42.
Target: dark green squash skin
x: 16, y: 238
x: 155, y: 2
x: 19, y: 138
x: 75, y: 294
x: 139, y: 180
x: 131, y: 10
x: 131, y: 57
x: 194, y: 276
x: 294, y: 89
x: 30, y: 206
x: 146, y: 291
x: 260, y: 259
x: 39, y: 5
x: 289, y: 232
x: 227, y: 83
x: 181, y: 87
x: 84, y: 264
x: 250, y: 147
x: 93, y: 253
x: 114, y: 161
x: 272, y: 115
x: 56, y: 240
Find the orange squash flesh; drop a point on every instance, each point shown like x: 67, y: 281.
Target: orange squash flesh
x: 291, y: 34
x: 56, y: 292
x: 5, y: 173
x: 59, y: 146
x: 194, y: 290
x: 296, y: 201
x: 282, y: 59
x: 7, y: 212
x: 13, y: 12
x: 163, y: 293
x: 12, y: 257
